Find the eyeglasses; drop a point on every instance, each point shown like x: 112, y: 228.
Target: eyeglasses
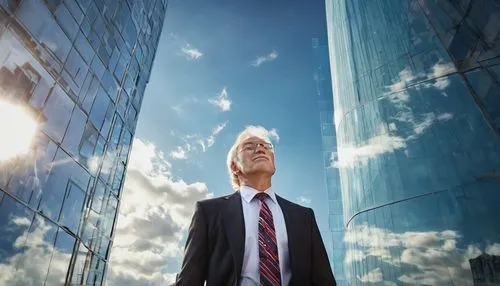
x: 252, y: 146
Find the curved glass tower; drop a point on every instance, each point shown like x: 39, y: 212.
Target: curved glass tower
x: 417, y: 114
x: 72, y: 78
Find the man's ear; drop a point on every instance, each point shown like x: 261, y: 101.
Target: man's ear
x: 234, y: 168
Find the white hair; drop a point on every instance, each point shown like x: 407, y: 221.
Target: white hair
x: 250, y: 131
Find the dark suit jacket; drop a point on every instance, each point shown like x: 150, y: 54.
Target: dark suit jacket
x: 216, y: 240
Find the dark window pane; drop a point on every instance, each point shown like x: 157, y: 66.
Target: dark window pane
x: 98, y: 67
x: 66, y: 21
x: 75, y: 10
x: 77, y: 69
x: 99, y: 108
x: 71, y: 212
x: 83, y: 46
x: 120, y: 68
x: 87, y: 145
x: 111, y: 85
x: 57, y: 112
x: 75, y: 130
x: 131, y: 117
x: 44, y: 28
x: 108, y: 119
x: 130, y: 34
x: 122, y: 104
x: 90, y: 94
x: 117, y: 129
x: 129, y: 85
x: 113, y: 61
x: 94, y: 40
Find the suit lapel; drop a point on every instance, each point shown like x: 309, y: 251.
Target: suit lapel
x: 292, y: 232
x: 234, y: 224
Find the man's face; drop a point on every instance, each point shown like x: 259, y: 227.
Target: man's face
x: 255, y: 156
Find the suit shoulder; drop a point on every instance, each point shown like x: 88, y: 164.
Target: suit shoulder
x: 295, y: 205
x: 215, y: 201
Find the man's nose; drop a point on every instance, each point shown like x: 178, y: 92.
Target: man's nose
x: 260, y: 148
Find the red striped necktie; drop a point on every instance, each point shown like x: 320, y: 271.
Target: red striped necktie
x: 269, y: 265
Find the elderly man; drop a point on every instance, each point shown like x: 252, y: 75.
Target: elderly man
x: 253, y: 237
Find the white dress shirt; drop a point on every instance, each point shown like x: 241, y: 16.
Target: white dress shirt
x: 250, y: 275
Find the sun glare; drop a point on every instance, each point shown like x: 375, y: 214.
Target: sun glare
x: 17, y: 129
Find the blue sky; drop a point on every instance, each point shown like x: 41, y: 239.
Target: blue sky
x: 220, y: 65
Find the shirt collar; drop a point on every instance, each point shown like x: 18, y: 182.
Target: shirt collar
x: 248, y: 193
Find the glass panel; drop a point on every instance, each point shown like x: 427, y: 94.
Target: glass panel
x: 26, y: 179
x: 21, y: 74
x: 117, y: 129
x: 98, y: 196
x: 82, y: 265
x: 130, y: 34
x: 120, y: 67
x: 122, y: 104
x: 60, y: 260
x: 57, y: 112
x: 96, y: 271
x: 90, y: 94
x: 71, y: 213
x: 66, y: 21
x: 98, y: 67
x: 75, y: 10
x: 14, y: 222
x: 55, y: 186
x: 110, y: 84
x: 109, y: 215
x: 87, y: 145
x: 131, y: 117
x: 107, y: 120
x: 39, y: 250
x: 100, y: 108
x: 44, y: 28
x: 74, y: 133
x: 75, y: 72
x: 83, y: 46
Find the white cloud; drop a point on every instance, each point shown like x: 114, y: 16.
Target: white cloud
x: 179, y: 153
x: 306, y: 201
x: 351, y: 156
x: 154, y: 213
x: 191, y: 53
x: 31, y: 253
x: 222, y: 100
x: 193, y: 143
x: 429, y: 258
x: 373, y: 276
x: 267, y: 58
x: 437, y: 74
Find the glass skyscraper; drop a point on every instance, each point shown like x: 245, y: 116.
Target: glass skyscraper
x: 323, y: 81
x: 78, y: 69
x: 416, y: 92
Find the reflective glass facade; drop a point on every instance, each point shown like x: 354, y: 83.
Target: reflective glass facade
x: 416, y: 87
x: 80, y: 68
x: 323, y: 81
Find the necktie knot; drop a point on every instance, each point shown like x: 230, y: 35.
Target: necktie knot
x: 261, y: 196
